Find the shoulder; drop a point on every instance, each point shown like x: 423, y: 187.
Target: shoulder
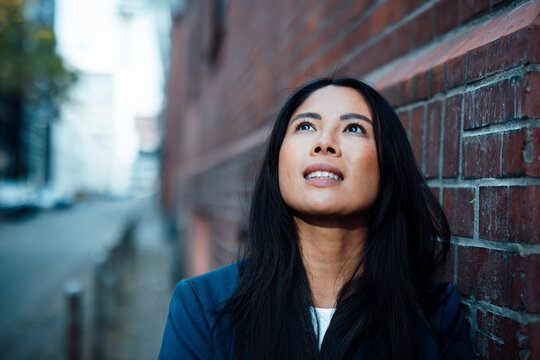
x: 212, y: 289
x: 193, y: 312
x: 448, y: 306
x: 449, y: 319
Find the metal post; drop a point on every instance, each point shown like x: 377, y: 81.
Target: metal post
x: 98, y: 346
x: 73, y: 293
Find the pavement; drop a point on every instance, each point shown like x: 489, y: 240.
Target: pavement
x: 147, y: 292
x: 40, y: 255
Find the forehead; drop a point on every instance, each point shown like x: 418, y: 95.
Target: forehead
x: 335, y: 100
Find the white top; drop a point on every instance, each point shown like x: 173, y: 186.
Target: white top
x: 323, y: 316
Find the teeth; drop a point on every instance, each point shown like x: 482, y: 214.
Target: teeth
x: 323, y: 175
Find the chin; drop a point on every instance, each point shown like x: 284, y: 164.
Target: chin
x: 323, y: 211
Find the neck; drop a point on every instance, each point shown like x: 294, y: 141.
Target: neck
x: 331, y: 250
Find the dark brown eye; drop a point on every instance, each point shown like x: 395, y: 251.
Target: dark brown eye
x: 305, y: 126
x: 355, y: 128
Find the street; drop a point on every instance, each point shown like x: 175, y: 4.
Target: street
x: 38, y: 256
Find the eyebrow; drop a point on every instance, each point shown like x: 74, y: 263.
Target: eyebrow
x: 307, y: 115
x: 350, y: 116
x: 347, y: 116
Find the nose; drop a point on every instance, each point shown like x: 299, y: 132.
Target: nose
x: 326, y: 145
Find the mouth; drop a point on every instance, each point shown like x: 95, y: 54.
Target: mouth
x: 323, y: 171
x: 323, y: 175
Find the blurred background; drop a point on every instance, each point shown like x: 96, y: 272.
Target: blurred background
x: 81, y: 96
x: 131, y: 132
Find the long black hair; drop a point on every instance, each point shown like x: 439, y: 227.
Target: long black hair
x: 382, y: 306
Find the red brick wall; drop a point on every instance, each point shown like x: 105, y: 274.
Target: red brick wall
x: 462, y: 74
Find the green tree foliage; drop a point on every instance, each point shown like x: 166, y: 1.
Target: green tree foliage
x: 29, y: 64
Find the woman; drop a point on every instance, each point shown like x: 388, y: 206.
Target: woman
x: 342, y: 227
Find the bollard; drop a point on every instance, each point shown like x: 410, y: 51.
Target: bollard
x: 110, y: 276
x: 73, y: 293
x: 98, y: 346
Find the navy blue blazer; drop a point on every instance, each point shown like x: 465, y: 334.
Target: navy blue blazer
x: 196, y: 303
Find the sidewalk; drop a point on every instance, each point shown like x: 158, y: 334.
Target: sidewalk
x: 143, y: 309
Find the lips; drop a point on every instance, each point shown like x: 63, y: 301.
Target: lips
x: 323, y: 171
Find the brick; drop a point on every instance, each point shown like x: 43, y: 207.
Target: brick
x: 433, y: 139
x: 481, y: 156
x: 531, y: 154
x: 524, y: 211
x: 407, y: 96
x: 447, y: 271
x: 510, y: 214
x: 452, y: 136
x: 505, y: 100
x: 401, y: 42
x: 518, y: 338
x: 416, y: 132
x: 496, y: 155
x: 423, y: 28
x: 446, y: 16
x: 411, y: 5
x: 435, y: 192
x: 420, y: 83
x: 494, y: 103
x: 371, y: 57
x: 458, y: 205
x: 469, y: 8
x: 531, y: 95
x: 392, y: 94
x: 515, y: 150
x: 488, y: 348
x: 501, y: 278
x: 455, y: 72
x: 386, y: 14
x: 404, y: 118
x: 358, y: 7
x: 498, y: 55
x: 533, y: 46
x: 436, y: 79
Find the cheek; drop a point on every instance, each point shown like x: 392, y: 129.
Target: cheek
x: 288, y: 171
x: 284, y: 167
x: 366, y: 165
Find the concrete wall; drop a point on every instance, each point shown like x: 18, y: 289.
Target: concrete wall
x: 462, y: 74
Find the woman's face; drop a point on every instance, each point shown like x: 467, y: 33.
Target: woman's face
x: 328, y: 159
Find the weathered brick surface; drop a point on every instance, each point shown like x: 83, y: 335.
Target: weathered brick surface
x: 455, y: 71
x: 500, y: 54
x: 503, y: 279
x: 423, y: 28
x: 520, y: 339
x: 433, y: 139
x: 469, y: 8
x: 447, y: 272
x: 502, y: 101
x: 404, y: 117
x: 446, y: 15
x: 437, y: 79
x: 469, y: 62
x: 416, y: 132
x: 510, y: 213
x: 451, y: 141
x: 497, y: 155
x: 458, y: 205
x: 411, y: 5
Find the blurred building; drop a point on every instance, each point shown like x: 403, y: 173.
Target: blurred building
x: 145, y: 170
x: 84, y: 138
x: 122, y: 64
x: 464, y: 79
x: 88, y: 143
x: 26, y: 121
